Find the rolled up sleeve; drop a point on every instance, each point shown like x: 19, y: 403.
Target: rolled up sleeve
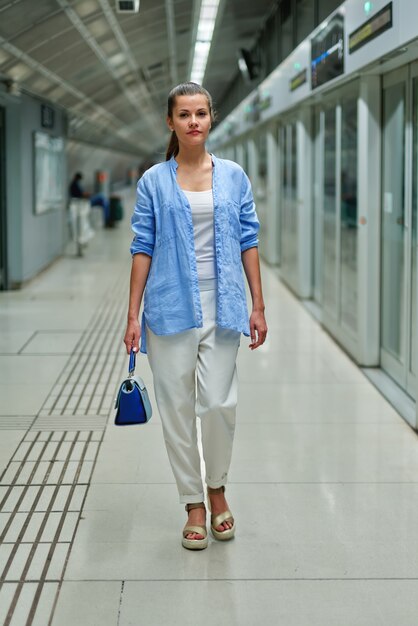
x: 248, y: 217
x: 143, y: 220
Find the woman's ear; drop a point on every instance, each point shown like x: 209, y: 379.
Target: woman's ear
x: 169, y: 123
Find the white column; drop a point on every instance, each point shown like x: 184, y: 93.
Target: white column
x: 271, y: 250
x: 369, y: 193
x: 240, y: 154
x: 252, y: 164
x: 304, y: 203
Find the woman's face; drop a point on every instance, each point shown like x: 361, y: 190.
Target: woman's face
x: 191, y: 119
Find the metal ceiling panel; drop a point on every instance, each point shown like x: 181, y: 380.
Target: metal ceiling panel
x: 18, y: 15
x: 112, y: 72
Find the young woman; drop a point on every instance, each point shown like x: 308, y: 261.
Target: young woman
x: 195, y: 226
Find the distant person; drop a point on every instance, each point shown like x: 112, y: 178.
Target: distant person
x: 99, y: 199
x: 195, y: 226
x: 76, y: 190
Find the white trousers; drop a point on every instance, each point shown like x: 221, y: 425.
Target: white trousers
x: 195, y: 375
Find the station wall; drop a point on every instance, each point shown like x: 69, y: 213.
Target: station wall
x: 33, y: 241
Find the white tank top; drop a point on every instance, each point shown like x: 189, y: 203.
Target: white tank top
x: 201, y: 203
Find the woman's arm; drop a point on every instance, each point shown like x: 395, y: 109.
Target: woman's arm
x: 258, y: 326
x: 139, y: 273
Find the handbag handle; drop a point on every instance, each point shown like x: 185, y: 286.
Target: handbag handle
x: 132, y: 362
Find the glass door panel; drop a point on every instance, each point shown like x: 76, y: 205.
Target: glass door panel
x: 318, y: 190
x: 393, y: 226
x: 329, y: 195
x: 289, y: 225
x: 414, y: 206
x: 261, y: 190
x: 348, y: 209
x: 3, y: 221
x: 399, y: 228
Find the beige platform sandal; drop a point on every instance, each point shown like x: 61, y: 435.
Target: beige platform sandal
x: 217, y: 520
x: 195, y: 544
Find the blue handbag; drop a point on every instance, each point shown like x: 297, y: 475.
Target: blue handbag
x: 132, y: 402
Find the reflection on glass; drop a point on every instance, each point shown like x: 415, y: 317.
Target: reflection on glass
x: 413, y: 334
x: 348, y: 255
x: 289, y: 228
x: 317, y: 196
x: 261, y: 190
x: 393, y: 269
x: 329, y: 191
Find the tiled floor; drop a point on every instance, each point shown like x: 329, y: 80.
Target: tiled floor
x: 323, y: 484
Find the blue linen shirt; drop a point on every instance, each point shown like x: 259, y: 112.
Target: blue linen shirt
x: 163, y: 228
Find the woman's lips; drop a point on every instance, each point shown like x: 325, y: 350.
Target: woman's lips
x: 194, y: 132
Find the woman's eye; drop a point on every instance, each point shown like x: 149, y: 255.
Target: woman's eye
x: 183, y: 114
x: 202, y: 113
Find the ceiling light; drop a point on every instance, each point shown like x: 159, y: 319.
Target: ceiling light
x: 205, y: 28
x: 127, y: 6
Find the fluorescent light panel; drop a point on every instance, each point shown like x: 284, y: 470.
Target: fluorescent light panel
x: 207, y: 19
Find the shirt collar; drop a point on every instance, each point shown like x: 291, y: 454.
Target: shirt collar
x: 174, y: 165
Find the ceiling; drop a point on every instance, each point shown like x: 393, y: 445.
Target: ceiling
x: 112, y: 72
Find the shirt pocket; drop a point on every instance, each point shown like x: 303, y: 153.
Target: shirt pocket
x: 166, y: 225
x: 233, y: 222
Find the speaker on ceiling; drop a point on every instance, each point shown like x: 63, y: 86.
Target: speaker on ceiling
x: 127, y: 6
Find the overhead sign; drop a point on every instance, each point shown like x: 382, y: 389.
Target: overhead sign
x: 298, y: 80
x: 327, y: 51
x: 375, y: 26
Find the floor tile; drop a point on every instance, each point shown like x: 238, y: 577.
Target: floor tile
x: 315, y: 532
x: 89, y: 604
x: 291, y: 368
x: 245, y: 603
x: 15, y: 402
x: 52, y: 343
x: 9, y: 441
x: 324, y: 452
x: 33, y: 369
x: 133, y: 455
x: 11, y: 342
x: 310, y: 403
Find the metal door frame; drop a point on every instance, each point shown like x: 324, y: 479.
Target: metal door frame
x: 332, y: 319
x: 3, y: 214
x: 318, y: 203
x: 401, y: 371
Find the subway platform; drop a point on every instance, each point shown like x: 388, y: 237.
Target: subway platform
x: 323, y: 485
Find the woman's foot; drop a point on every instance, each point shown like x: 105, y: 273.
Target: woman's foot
x: 195, y: 535
x: 222, y: 522
x: 197, y: 517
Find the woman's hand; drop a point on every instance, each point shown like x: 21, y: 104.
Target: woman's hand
x: 132, y: 336
x: 258, y: 329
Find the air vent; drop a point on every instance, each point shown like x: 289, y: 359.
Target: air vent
x: 127, y: 6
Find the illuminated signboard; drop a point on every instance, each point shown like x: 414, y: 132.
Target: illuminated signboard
x: 298, y: 80
x: 327, y: 51
x: 374, y: 27
x: 260, y: 102
x: 265, y: 101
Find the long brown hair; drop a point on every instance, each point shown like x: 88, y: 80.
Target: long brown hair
x: 184, y: 89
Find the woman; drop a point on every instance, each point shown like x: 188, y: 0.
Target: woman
x: 194, y: 222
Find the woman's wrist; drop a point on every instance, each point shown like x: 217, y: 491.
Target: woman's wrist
x: 132, y: 318
x: 258, y: 307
